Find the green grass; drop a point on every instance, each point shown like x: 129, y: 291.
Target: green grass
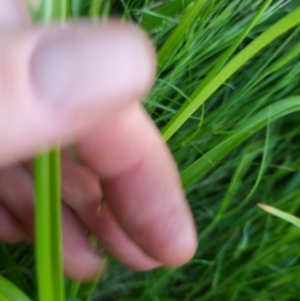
x: 227, y: 100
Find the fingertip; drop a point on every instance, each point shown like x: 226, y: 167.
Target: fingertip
x: 81, y: 262
x: 119, y: 244
x: 183, y: 249
x: 10, y: 229
x: 107, y: 66
x: 172, y: 240
x: 186, y: 242
x: 66, y: 80
x: 148, y: 58
x: 146, y: 266
x: 83, y: 265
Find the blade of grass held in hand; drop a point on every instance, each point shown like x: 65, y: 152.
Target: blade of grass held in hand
x: 56, y: 222
x: 281, y: 214
x: 48, y: 227
x: 186, y: 111
x: 48, y: 199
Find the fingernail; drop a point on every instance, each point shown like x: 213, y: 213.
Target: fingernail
x: 72, y: 68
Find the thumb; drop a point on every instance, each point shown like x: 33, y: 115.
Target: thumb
x: 55, y: 84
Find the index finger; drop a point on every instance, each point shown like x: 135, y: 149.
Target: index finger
x: 141, y: 185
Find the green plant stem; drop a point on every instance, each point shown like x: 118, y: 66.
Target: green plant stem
x: 48, y: 229
x: 73, y: 289
x: 47, y: 173
x: 43, y: 231
x: 56, y: 223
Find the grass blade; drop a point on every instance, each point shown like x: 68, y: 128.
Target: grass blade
x: 176, y: 36
x: 13, y: 273
x: 53, y: 10
x: 227, y: 54
x: 289, y: 56
x: 48, y: 227
x: 9, y: 292
x: 56, y: 227
x: 208, y: 160
x: 155, y: 18
x: 281, y: 214
x: 186, y: 111
x: 73, y: 289
x: 43, y: 228
x: 48, y: 199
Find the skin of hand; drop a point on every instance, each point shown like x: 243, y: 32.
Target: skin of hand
x: 82, y: 84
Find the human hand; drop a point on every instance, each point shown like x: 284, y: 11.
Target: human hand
x: 82, y: 84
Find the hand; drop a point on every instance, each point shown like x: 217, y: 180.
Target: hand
x: 82, y: 84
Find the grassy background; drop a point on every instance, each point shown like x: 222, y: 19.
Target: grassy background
x: 244, y: 254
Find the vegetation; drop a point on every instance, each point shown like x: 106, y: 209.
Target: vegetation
x: 227, y: 101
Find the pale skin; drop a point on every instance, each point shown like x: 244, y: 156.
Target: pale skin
x: 83, y: 85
